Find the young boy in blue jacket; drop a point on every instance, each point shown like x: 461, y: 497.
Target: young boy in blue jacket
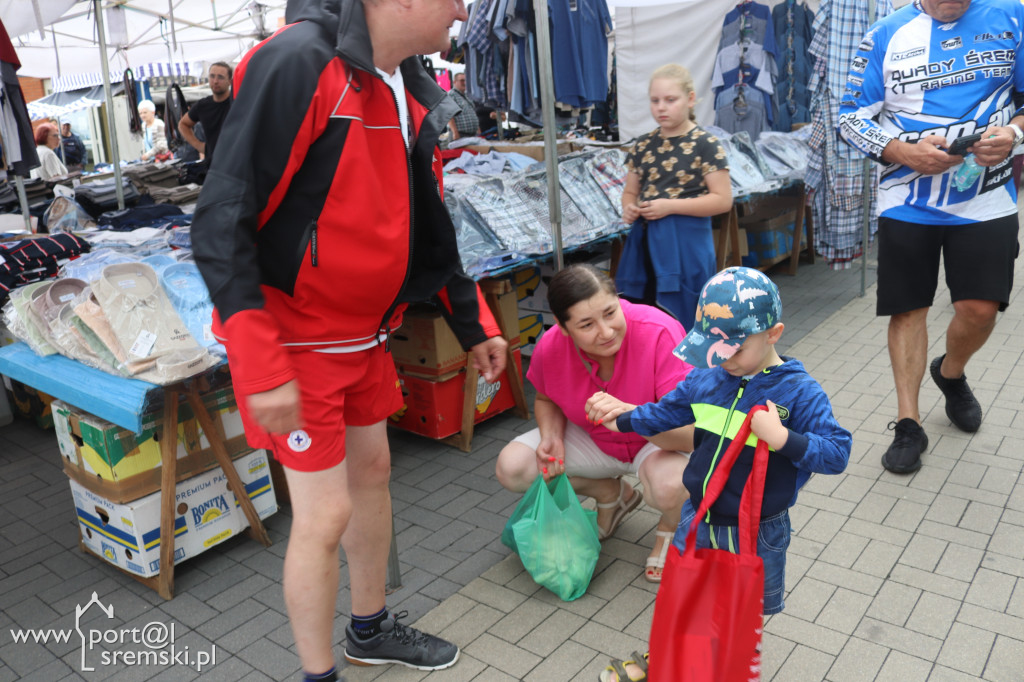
x: 732, y: 347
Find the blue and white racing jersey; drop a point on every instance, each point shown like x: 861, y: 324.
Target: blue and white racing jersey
x: 915, y: 76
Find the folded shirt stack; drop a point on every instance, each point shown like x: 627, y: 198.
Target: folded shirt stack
x: 36, y: 259
x: 156, y: 343
x: 128, y: 219
x: 101, y: 196
x: 139, y: 242
x: 148, y: 176
x: 122, y: 323
x: 188, y: 294
x: 180, y: 194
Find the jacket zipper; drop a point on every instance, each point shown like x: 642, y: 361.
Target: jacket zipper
x: 721, y: 439
x: 312, y: 245
x: 412, y: 218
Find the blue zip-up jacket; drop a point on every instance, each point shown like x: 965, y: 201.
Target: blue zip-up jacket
x: 717, y: 403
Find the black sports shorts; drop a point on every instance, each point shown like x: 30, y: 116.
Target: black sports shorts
x: 978, y: 261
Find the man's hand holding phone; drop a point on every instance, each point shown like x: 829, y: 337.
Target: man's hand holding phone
x: 961, y: 146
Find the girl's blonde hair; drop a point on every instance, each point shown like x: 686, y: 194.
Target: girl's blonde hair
x: 678, y: 74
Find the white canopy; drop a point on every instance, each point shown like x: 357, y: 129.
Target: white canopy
x: 139, y: 33
x: 649, y: 33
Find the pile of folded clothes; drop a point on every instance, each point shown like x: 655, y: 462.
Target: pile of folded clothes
x: 8, y: 198
x: 39, y: 258
x: 36, y: 192
x: 148, y: 320
x: 140, y: 242
x: 101, y: 196
x: 67, y: 180
x: 179, y: 194
x: 147, y: 176
x: 128, y: 219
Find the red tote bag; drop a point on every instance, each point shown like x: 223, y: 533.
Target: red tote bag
x: 709, y: 611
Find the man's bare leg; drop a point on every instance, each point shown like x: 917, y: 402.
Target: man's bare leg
x: 320, y: 511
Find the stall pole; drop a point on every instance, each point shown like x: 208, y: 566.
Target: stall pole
x: 115, y: 153
x: 23, y: 200
x: 547, y: 103
x: 866, y: 223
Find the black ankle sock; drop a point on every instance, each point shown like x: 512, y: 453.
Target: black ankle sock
x: 368, y: 626
x: 329, y: 676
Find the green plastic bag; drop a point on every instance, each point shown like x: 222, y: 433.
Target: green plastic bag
x: 555, y: 537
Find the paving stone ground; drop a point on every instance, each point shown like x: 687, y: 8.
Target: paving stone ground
x: 902, y: 578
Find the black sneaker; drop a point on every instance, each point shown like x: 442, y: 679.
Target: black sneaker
x: 962, y: 407
x: 904, y: 455
x: 398, y: 643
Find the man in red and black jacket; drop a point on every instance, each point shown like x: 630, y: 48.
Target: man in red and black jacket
x: 320, y: 219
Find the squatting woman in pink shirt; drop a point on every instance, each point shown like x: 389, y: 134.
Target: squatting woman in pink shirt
x: 603, y: 344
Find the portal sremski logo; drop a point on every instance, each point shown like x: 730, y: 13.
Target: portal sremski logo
x: 79, y: 612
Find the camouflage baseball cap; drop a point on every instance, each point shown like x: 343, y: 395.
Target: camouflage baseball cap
x: 733, y: 304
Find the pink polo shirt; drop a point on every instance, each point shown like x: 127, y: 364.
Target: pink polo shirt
x: 645, y: 370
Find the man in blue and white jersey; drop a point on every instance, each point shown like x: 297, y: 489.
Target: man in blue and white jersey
x: 923, y: 76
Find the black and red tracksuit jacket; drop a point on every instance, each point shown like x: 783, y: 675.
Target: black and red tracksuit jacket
x: 314, y: 226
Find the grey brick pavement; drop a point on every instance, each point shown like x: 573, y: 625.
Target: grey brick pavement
x: 890, y: 577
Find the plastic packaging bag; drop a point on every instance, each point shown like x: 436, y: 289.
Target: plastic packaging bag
x: 555, y: 537
x: 65, y: 215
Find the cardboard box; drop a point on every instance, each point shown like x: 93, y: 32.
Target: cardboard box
x: 426, y: 346
x: 526, y: 282
x: 508, y: 305
x: 433, y: 407
x: 531, y: 326
x: 31, y: 404
x: 535, y: 150
x: 533, y: 295
x: 770, y: 241
x: 123, y: 466
x: 744, y: 248
x: 206, y: 514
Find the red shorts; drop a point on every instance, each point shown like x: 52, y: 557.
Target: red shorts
x: 337, y: 389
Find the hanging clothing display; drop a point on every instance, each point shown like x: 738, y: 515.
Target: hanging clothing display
x: 745, y: 70
x: 836, y: 170
x: 175, y: 106
x: 17, y: 142
x: 751, y: 22
x: 579, y: 56
x: 793, y: 22
x: 500, y: 51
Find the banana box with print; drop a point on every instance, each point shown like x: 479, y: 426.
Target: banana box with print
x: 124, y: 466
x: 206, y: 514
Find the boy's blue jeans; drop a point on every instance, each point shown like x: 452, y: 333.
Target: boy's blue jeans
x: 772, y: 542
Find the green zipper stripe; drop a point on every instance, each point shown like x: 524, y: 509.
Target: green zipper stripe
x: 725, y: 423
x: 715, y: 419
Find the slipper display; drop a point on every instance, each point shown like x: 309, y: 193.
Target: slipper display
x: 621, y: 507
x: 616, y: 671
x: 658, y: 562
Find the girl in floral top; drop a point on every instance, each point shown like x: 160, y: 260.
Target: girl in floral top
x: 677, y: 179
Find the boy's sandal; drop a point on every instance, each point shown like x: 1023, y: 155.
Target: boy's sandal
x: 622, y: 507
x: 654, y: 563
x: 618, y: 669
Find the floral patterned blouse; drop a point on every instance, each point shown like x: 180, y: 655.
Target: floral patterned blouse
x: 675, y: 167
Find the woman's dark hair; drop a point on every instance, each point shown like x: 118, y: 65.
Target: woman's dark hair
x: 574, y: 284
